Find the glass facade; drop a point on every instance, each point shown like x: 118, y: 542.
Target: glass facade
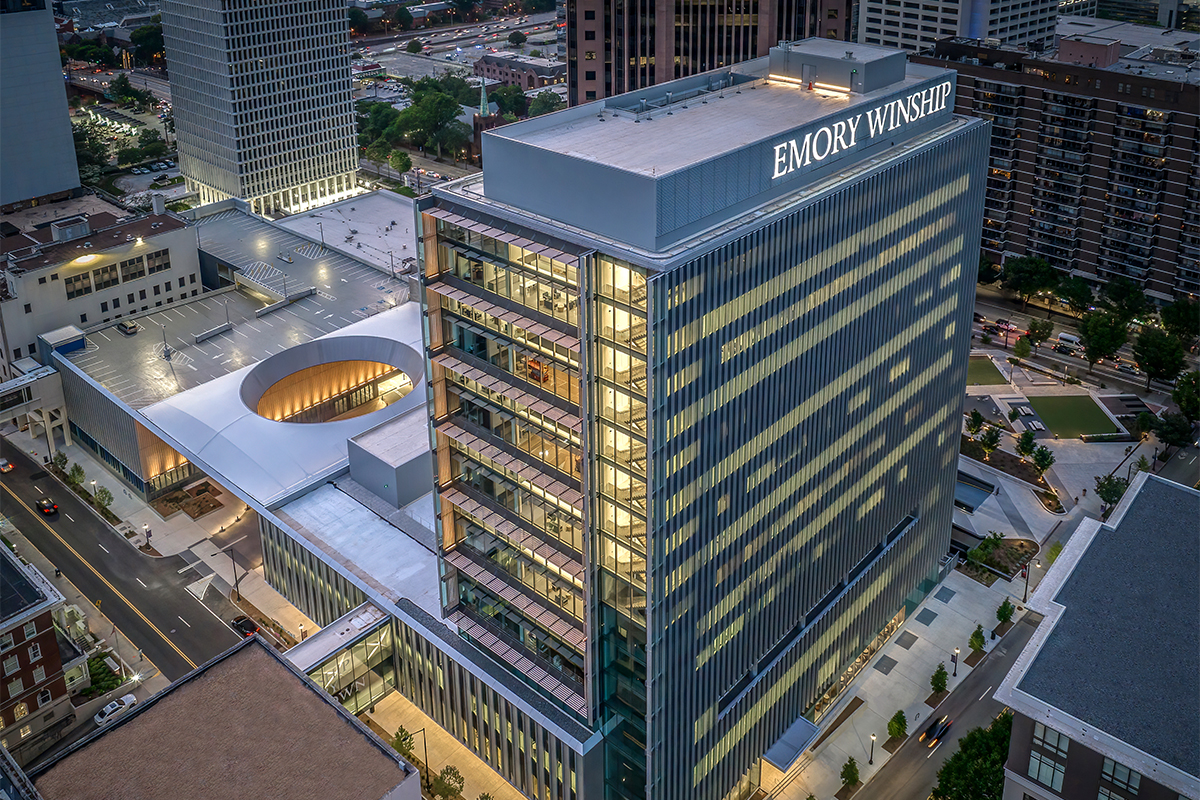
x: 363, y: 672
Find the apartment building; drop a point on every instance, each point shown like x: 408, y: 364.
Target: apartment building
x: 1095, y: 153
x: 1102, y: 706
x: 694, y: 422
x: 262, y: 101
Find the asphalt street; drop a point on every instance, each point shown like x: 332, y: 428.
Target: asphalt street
x: 911, y: 773
x: 145, y: 598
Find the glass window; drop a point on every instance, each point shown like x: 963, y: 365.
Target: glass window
x: 1050, y: 739
x: 78, y: 285
x: 11, y: 664
x: 1121, y: 776
x: 1046, y: 771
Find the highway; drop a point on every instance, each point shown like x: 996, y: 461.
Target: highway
x: 144, y: 597
x: 911, y: 773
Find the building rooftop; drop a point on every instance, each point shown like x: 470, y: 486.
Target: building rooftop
x: 40, y: 216
x: 396, y: 564
x: 1122, y: 652
x: 246, y: 724
x: 19, y: 594
x: 1132, y: 36
x: 36, y: 249
x: 376, y: 227
x: 398, y: 440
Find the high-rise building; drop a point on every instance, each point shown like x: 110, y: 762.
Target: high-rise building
x: 1131, y: 728
x: 1095, y: 155
x: 614, y: 47
x: 262, y: 101
x: 37, y: 150
x: 696, y: 418
x: 916, y: 26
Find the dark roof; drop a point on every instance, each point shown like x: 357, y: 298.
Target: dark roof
x: 107, y: 232
x: 1124, y: 655
x: 246, y: 724
x: 17, y: 593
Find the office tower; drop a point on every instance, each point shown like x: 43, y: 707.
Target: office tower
x: 262, y: 101
x: 37, y: 150
x: 917, y: 25
x: 1132, y: 728
x: 696, y: 417
x: 1183, y: 14
x: 617, y: 47
x: 1094, y: 164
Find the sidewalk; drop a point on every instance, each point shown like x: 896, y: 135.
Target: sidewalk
x: 180, y: 534
x: 897, y: 678
x: 152, y: 680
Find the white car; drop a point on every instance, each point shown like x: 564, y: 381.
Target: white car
x: 114, y: 709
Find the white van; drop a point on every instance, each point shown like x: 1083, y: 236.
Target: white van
x: 1068, y: 338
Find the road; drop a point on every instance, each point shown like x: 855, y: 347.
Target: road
x: 1183, y: 466
x: 144, y: 597
x: 911, y: 773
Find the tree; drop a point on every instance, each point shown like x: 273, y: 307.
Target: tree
x: 91, y: 149
x: 516, y: 38
x: 1043, y: 460
x: 898, y: 725
x: 1004, y: 613
x: 1078, y: 294
x: 1102, y: 334
x: 1040, y: 331
x: 977, y: 642
x: 990, y: 442
x: 509, y: 100
x: 403, y: 742
x: 1110, y: 489
x: 1142, y: 464
x: 449, y: 782
x: 103, y: 498
x: 850, y: 772
x: 59, y: 460
x: 402, y: 18
x: 426, y: 117
x: 1186, y: 395
x: 400, y: 161
x: 378, y: 154
x: 464, y: 8
x: 1146, y: 422
x: 76, y: 475
x: 1026, y: 444
x: 1124, y: 298
x: 148, y: 136
x: 484, y: 796
x: 155, y: 149
x: 148, y: 42
x: 1182, y: 320
x: 545, y: 103
x: 988, y: 274
x: 975, y: 422
x: 1158, y: 354
x: 976, y: 771
x: 129, y: 155
x: 1022, y: 348
x: 939, y: 679
x: 415, y: 46
x: 1026, y: 276
x: 359, y: 21
x: 454, y: 136
x: 1173, y: 430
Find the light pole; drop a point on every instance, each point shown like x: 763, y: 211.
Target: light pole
x: 425, y: 747
x: 321, y: 228
x: 955, y: 675
x: 236, y: 591
x: 871, y: 760
x: 1025, y: 598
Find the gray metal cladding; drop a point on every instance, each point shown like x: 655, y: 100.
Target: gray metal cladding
x: 805, y: 399
x: 95, y: 412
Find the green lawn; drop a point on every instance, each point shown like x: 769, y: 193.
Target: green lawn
x: 982, y: 372
x: 1072, y: 415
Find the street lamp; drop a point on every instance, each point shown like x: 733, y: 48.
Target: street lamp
x: 871, y: 760
x: 1025, y: 598
x: 956, y: 651
x: 425, y: 746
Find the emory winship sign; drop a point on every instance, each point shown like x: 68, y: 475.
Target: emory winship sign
x: 844, y: 134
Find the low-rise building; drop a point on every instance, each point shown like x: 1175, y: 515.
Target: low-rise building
x: 527, y: 72
x: 246, y: 724
x: 89, y: 269
x: 1106, y: 695
x: 40, y: 664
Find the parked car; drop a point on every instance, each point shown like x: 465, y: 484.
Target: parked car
x: 244, y: 625
x: 5, y: 465
x: 127, y: 327
x: 114, y: 709
x: 936, y: 731
x: 47, y: 506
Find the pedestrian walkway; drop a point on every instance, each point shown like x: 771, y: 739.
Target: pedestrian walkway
x: 395, y: 711
x: 180, y: 534
x: 897, y: 678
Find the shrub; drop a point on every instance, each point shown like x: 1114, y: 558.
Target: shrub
x: 977, y: 642
x: 1005, y: 612
x: 898, y: 725
x: 850, y: 772
x: 76, y: 476
x: 939, y: 679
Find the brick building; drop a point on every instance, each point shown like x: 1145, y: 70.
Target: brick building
x: 1094, y: 159
x: 518, y: 70
x: 35, y: 656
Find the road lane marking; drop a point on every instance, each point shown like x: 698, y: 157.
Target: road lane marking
x: 185, y: 622
x: 934, y: 750
x: 985, y: 691
x: 144, y: 586
x: 102, y: 547
x: 68, y: 516
x: 103, y: 579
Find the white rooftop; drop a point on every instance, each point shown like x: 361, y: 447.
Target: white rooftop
x: 363, y: 228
